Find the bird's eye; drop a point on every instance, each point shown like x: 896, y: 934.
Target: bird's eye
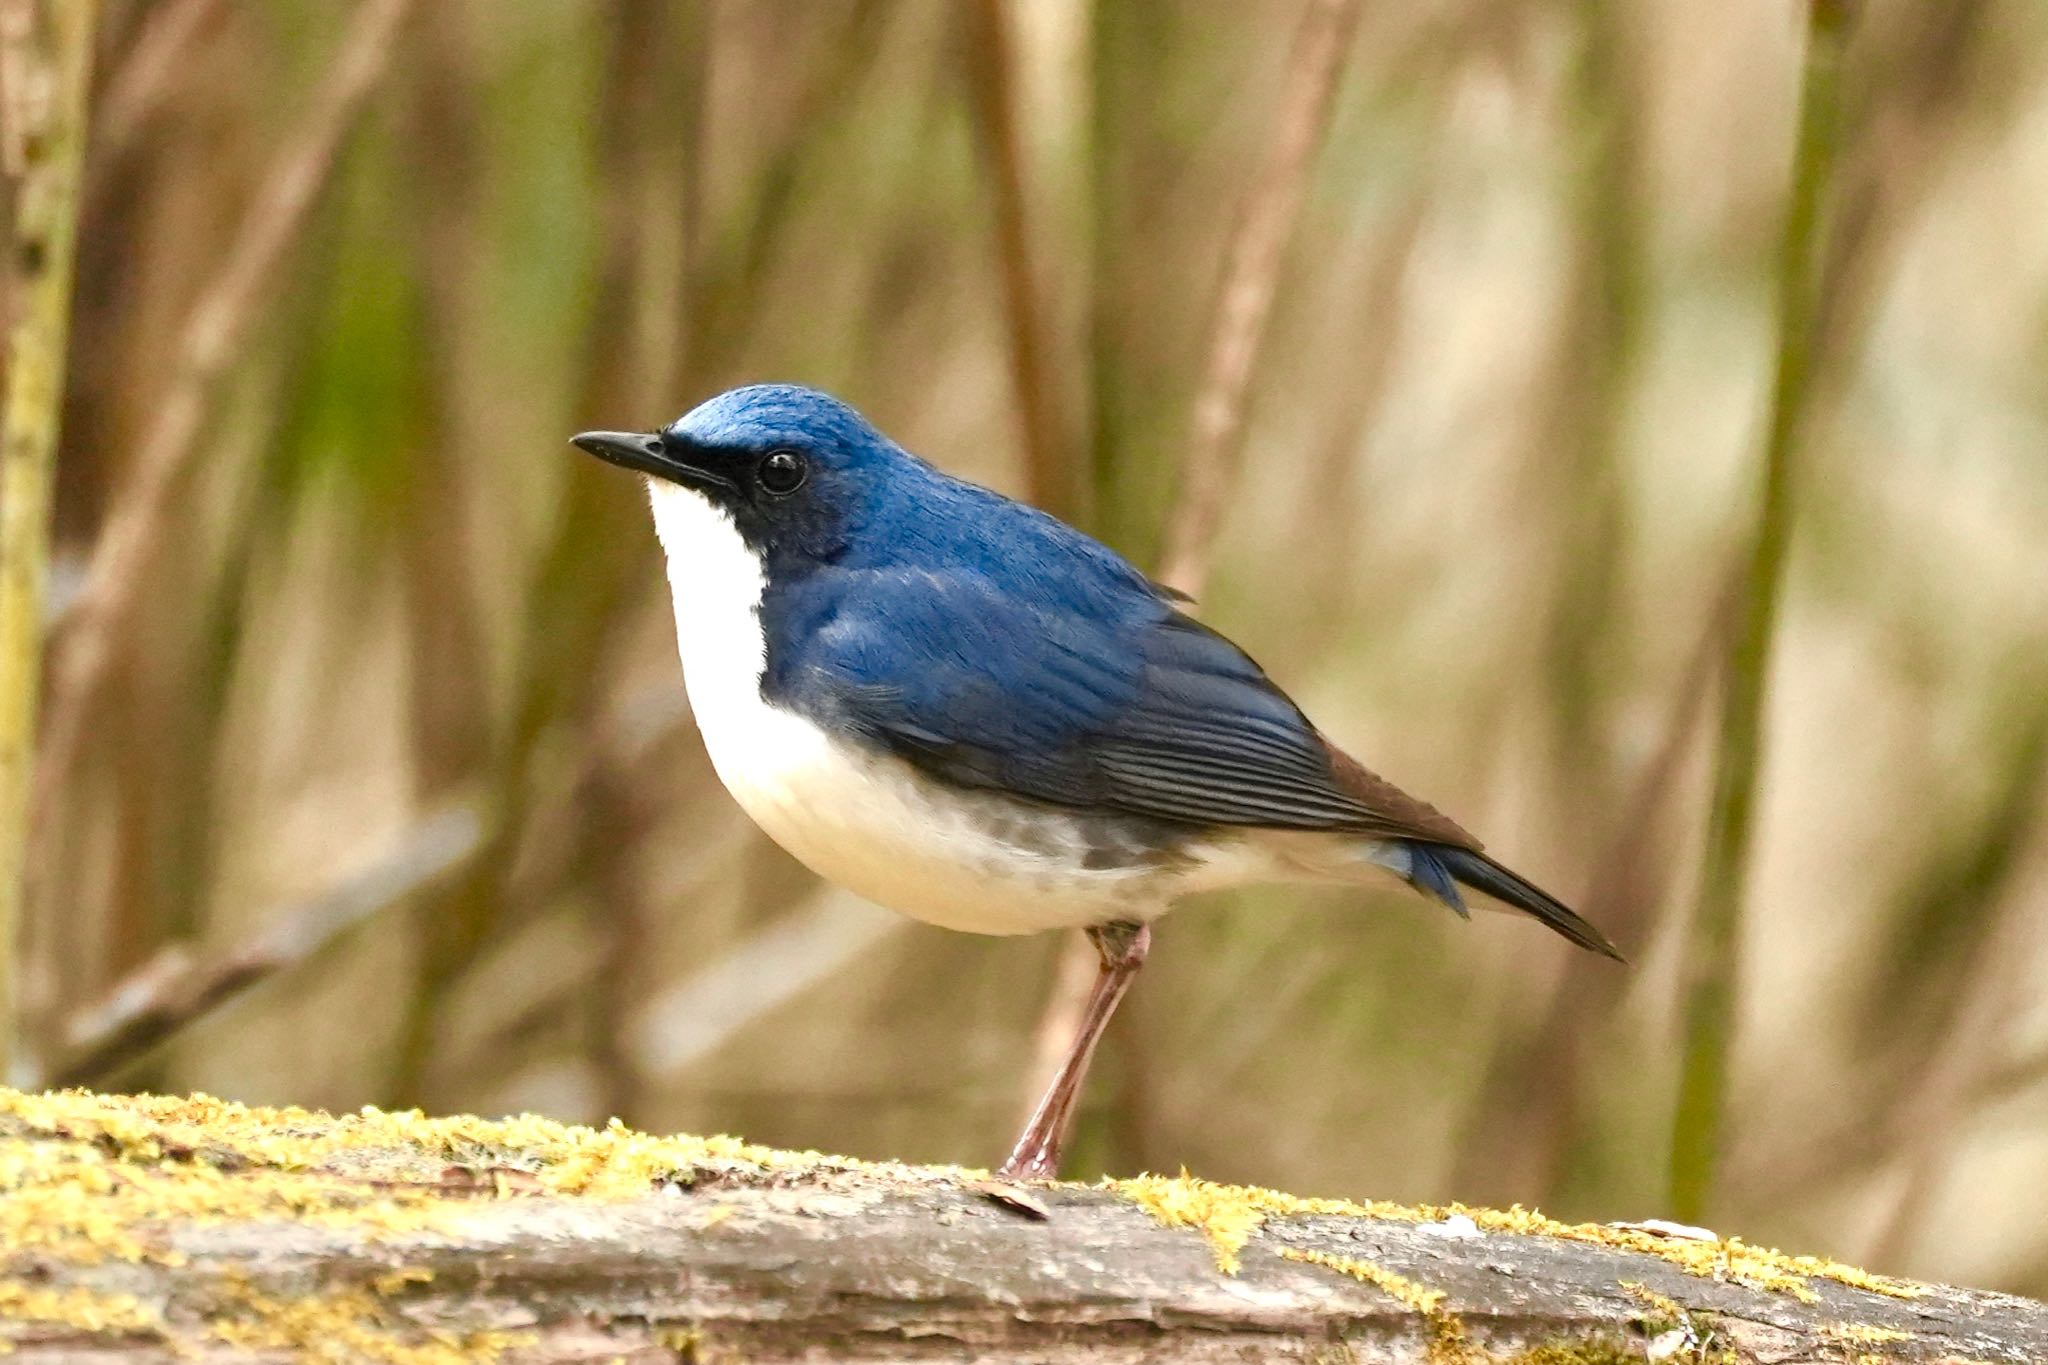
x: 781, y: 472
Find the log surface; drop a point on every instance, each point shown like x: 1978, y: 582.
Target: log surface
x: 190, y: 1230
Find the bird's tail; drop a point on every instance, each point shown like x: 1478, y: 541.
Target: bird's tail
x: 1440, y: 869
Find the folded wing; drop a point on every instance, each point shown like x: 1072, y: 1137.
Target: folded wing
x: 1128, y: 705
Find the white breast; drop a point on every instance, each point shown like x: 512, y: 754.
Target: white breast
x: 865, y: 820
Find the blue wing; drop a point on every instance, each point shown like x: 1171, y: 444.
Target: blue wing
x: 1106, y: 699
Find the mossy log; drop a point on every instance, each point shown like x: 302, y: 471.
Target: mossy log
x: 196, y: 1230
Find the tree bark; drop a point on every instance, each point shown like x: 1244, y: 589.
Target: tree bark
x: 174, y: 1230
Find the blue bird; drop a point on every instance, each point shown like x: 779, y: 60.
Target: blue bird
x: 962, y: 709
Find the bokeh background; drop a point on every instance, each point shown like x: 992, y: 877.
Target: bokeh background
x: 391, y: 730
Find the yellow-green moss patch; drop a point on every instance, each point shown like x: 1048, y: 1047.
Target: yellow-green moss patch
x: 1591, y: 1351
x: 681, y: 1340
x: 88, y: 1178
x: 98, y: 1174
x: 1669, y: 1311
x: 1416, y: 1297
x: 1853, y: 1336
x: 601, y: 1163
x: 1447, y: 1344
x: 1229, y: 1215
x: 76, y: 1309
x: 346, y: 1326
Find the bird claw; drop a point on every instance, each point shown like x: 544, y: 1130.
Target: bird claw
x: 1037, y: 1164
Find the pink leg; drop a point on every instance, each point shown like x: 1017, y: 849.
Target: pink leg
x: 1037, y: 1155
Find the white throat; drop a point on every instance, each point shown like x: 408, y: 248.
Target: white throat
x: 716, y: 580
x: 769, y: 758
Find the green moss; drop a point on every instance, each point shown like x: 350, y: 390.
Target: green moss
x: 1447, y: 1344
x: 1665, y: 1313
x: 684, y: 1342
x: 1415, y: 1296
x: 90, y: 1179
x: 1229, y: 1216
x: 1857, y: 1334
x: 76, y: 1309
x: 1592, y: 1351
x: 343, y: 1326
x: 103, y: 1172
x: 1668, y: 1315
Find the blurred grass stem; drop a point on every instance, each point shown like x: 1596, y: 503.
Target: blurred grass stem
x: 117, y: 577
x: 1053, y: 475
x: 45, y: 148
x: 1712, y: 969
x: 1251, y: 277
x: 1550, y: 1141
x: 136, y: 89
x: 1932, y: 1120
x: 171, y: 992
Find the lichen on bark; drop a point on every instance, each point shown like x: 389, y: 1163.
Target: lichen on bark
x: 152, y: 1228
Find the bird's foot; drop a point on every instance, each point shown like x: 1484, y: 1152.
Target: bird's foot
x: 1031, y: 1161
x: 1122, y: 945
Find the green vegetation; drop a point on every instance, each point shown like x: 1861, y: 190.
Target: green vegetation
x: 1713, y: 968
x: 43, y: 152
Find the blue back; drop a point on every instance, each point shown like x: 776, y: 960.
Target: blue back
x: 998, y: 648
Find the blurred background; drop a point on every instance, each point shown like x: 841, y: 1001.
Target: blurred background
x: 368, y: 775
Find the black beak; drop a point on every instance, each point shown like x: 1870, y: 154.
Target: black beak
x: 629, y: 450
x: 646, y: 454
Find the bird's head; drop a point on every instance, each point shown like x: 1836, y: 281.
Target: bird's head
x: 791, y: 467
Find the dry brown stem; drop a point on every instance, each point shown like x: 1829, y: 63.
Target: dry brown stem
x: 1251, y: 277
x: 1052, y: 474
x: 148, y: 73
x: 117, y: 576
x: 173, y: 990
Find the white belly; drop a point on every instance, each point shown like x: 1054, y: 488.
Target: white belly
x: 863, y: 819
x: 872, y: 824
